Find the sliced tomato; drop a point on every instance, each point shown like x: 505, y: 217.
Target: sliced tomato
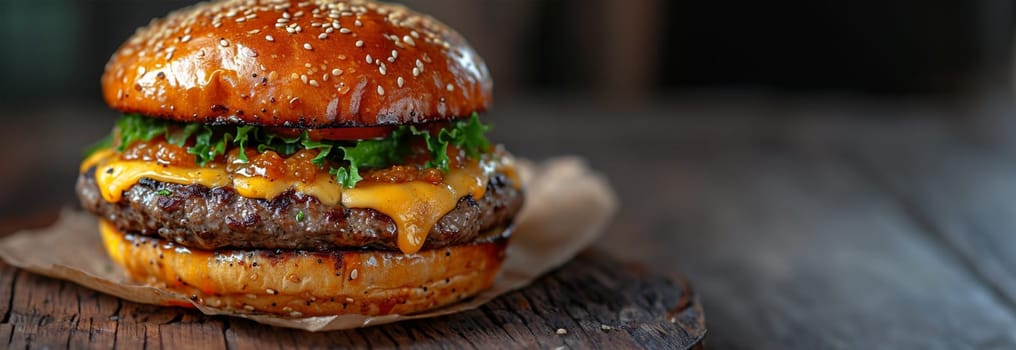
x: 339, y: 134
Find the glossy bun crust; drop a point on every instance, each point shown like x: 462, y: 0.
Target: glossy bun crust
x: 308, y: 64
x: 297, y: 283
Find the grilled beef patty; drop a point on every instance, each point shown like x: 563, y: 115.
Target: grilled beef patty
x: 210, y: 218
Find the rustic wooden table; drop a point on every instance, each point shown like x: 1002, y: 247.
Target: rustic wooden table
x: 815, y: 223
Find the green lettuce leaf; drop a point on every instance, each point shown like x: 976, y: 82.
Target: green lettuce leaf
x: 345, y: 158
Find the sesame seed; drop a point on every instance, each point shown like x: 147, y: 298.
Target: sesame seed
x: 296, y: 314
x: 307, y: 46
x: 223, y: 42
x: 449, y: 87
x: 336, y: 71
x: 350, y: 300
x: 400, y: 81
x: 329, y: 30
x: 380, y: 91
x: 322, y: 36
x: 336, y: 24
x: 303, y: 77
x: 270, y: 38
x: 359, y: 43
x: 395, y: 54
x: 248, y: 308
x: 562, y: 331
x: 409, y: 40
x: 185, y: 38
x: 415, y: 34
x: 354, y: 273
x: 416, y: 71
x: 370, y: 60
x: 294, y: 76
x: 314, y: 83
x: 270, y: 291
x: 345, y: 30
x: 382, y: 69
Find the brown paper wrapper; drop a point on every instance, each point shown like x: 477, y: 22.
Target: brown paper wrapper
x: 567, y: 207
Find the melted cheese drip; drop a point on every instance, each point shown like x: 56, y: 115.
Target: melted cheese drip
x: 415, y: 207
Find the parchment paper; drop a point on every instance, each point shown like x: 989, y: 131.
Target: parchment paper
x: 567, y: 207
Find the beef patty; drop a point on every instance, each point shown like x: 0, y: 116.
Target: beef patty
x: 211, y: 218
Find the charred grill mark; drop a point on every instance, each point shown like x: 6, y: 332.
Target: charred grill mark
x: 205, y: 235
x: 147, y: 182
x: 469, y: 201
x: 169, y: 203
x: 281, y: 203
x: 220, y: 195
x: 336, y: 216
x: 497, y: 181
x: 243, y: 224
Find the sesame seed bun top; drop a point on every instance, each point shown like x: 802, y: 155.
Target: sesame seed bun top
x: 309, y: 64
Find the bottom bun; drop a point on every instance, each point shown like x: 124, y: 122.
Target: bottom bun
x: 302, y: 283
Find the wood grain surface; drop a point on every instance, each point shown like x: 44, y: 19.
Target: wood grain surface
x: 594, y: 301
x: 802, y: 223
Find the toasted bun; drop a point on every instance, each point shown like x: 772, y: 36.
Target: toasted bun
x: 309, y: 283
x: 277, y: 63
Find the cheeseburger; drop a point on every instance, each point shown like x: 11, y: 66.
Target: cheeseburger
x: 302, y: 158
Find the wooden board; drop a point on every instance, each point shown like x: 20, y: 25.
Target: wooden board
x: 780, y: 212
x: 592, y: 302
x: 804, y: 223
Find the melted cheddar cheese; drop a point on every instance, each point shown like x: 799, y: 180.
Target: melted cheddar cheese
x: 414, y: 206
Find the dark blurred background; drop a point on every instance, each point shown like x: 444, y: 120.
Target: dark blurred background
x: 55, y: 49
x: 558, y: 62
